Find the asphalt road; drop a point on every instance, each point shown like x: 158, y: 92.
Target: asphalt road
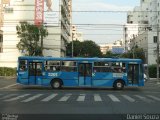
x: 22, y: 100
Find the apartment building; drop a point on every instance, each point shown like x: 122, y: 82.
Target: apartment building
x: 55, y: 16
x: 76, y: 35
x: 116, y: 47
x: 1, y: 22
x: 147, y: 19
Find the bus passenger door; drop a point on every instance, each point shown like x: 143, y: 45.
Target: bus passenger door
x: 35, y: 73
x: 85, y: 74
x: 133, y: 74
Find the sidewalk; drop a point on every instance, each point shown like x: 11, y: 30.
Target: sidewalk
x: 152, y: 82
x: 7, y: 80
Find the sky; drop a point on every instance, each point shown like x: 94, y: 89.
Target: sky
x: 102, y: 27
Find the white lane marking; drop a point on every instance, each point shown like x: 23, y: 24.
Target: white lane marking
x: 144, y: 99
x: 49, y: 98
x: 32, y: 98
x: 153, y: 97
x: 65, y: 98
x: 16, y: 98
x: 8, y: 96
x: 9, y: 86
x: 128, y: 98
x: 97, y: 98
x: 81, y: 97
x: 113, y: 98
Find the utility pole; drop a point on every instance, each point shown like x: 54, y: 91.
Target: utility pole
x: 158, y: 54
x: 133, y: 46
x: 72, y: 45
x: 125, y: 38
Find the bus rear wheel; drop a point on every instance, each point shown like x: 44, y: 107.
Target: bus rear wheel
x: 118, y: 85
x: 56, y: 84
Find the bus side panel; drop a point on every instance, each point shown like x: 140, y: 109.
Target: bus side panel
x: 141, y: 82
x: 102, y: 79
x: 46, y: 82
x: 22, y: 78
x: 69, y: 78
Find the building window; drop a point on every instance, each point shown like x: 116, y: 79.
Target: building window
x: 154, y: 39
x: 8, y: 10
x: 1, y: 38
x: 1, y: 50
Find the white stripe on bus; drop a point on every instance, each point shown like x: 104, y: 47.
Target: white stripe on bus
x: 32, y: 98
x: 49, y: 97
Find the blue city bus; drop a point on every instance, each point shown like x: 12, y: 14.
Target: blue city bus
x: 82, y: 72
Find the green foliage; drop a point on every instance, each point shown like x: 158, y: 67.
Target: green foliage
x: 84, y: 49
x: 5, y: 71
x: 136, y: 53
x: 152, y: 71
x: 109, y: 54
x: 30, y: 36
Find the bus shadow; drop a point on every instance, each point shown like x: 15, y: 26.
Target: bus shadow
x: 43, y: 88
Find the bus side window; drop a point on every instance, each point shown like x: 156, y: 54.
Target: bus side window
x: 23, y: 65
x: 22, y: 68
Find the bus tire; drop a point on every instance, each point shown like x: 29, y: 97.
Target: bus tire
x: 118, y: 85
x: 56, y: 84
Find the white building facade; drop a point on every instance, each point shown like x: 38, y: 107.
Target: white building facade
x: 55, y: 15
x: 110, y: 46
x: 76, y: 35
x: 147, y: 19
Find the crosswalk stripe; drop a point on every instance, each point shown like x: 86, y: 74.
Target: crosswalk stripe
x: 144, y: 99
x: 6, y: 87
x: 32, y: 98
x: 97, y: 98
x: 81, y: 97
x: 153, y: 97
x: 49, y: 98
x: 16, y: 98
x: 114, y: 98
x: 128, y: 98
x: 65, y: 98
x: 8, y: 96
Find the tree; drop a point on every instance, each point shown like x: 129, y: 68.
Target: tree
x: 91, y: 49
x: 109, y: 54
x: 136, y: 53
x: 30, y: 36
x: 84, y: 49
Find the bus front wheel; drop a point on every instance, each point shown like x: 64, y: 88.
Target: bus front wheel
x: 56, y: 84
x: 118, y: 85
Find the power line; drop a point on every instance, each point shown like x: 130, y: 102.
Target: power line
x: 90, y: 11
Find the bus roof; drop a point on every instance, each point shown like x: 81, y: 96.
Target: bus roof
x: 79, y: 59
